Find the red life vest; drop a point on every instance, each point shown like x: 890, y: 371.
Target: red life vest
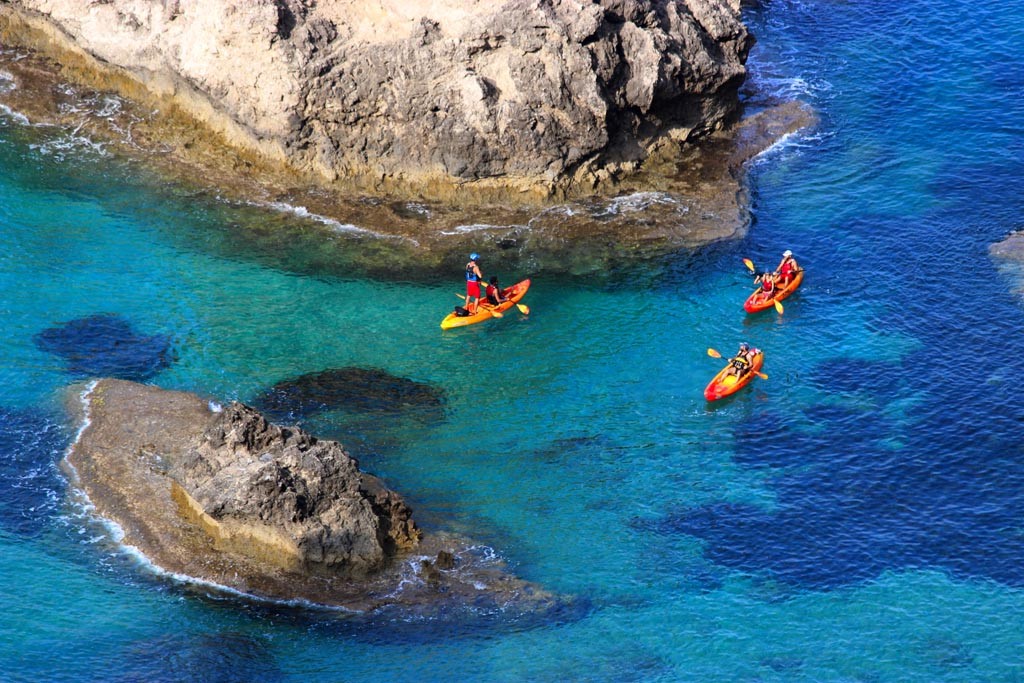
x: 786, y: 270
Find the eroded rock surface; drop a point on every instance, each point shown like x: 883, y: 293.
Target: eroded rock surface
x: 226, y: 497
x: 281, y: 495
x: 530, y: 92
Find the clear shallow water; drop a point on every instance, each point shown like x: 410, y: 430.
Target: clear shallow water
x: 856, y: 517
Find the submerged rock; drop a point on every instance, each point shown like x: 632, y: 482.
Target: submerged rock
x: 106, y: 345
x: 363, y: 390
x: 1009, y: 256
x: 1011, y: 248
x: 177, y: 657
x: 229, y: 498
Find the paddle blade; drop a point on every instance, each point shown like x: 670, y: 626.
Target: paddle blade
x: 749, y: 264
x: 497, y: 315
x: 714, y: 354
x: 778, y: 307
x: 761, y: 375
x: 461, y: 296
x: 523, y: 308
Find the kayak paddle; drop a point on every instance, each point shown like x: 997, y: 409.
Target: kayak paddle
x: 778, y: 306
x: 523, y: 308
x: 749, y: 264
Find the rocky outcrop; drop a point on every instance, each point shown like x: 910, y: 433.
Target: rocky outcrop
x: 223, y: 496
x: 522, y: 93
x: 281, y: 495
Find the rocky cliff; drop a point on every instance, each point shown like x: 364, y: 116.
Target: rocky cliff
x: 522, y: 93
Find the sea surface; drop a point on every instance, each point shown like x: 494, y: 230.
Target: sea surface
x: 858, y: 516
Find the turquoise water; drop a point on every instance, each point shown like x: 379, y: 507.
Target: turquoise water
x: 859, y: 516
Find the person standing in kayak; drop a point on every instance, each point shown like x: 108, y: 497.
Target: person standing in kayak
x: 787, y: 269
x: 493, y: 292
x: 473, y: 278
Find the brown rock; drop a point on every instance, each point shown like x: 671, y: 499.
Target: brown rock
x: 281, y: 494
x: 228, y: 498
x: 445, y: 560
x: 524, y: 93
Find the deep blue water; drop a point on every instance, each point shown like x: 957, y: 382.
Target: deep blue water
x: 859, y: 516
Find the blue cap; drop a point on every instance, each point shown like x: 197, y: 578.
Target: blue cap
x: 474, y: 256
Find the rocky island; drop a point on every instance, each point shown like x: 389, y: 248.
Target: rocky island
x: 223, y: 496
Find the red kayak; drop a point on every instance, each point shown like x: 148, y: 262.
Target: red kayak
x: 758, y: 302
x: 724, y: 384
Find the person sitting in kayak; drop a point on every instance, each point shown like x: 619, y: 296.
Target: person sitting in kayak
x: 741, y: 363
x: 787, y: 269
x: 493, y: 292
x: 767, y: 281
x: 473, y: 278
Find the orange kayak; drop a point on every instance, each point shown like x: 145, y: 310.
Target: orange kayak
x: 485, y: 310
x: 724, y: 384
x: 757, y: 302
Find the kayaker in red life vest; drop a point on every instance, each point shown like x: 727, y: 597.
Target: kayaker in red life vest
x: 473, y: 278
x: 767, y: 281
x: 493, y: 292
x: 787, y: 268
x: 743, y: 360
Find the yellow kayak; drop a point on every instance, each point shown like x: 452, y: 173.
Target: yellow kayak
x: 485, y: 310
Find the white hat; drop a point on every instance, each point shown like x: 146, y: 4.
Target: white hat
x: 787, y: 253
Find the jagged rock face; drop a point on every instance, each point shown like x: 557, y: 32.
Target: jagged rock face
x: 526, y: 90
x: 267, y: 485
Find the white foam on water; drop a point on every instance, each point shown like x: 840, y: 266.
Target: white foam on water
x: 417, y: 208
x: 337, y: 226
x: 185, y: 580
x: 476, y: 227
x: 7, y: 82
x: 561, y: 210
x: 797, y: 142
x: 638, y: 201
x: 16, y: 115
x: 69, y: 145
x: 86, y: 414
x: 111, y: 106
